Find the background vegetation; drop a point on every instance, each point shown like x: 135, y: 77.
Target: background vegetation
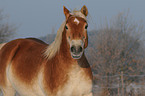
x: 6, y: 30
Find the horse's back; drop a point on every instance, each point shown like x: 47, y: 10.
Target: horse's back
x: 37, y: 40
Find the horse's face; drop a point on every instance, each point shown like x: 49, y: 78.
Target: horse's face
x: 76, y: 34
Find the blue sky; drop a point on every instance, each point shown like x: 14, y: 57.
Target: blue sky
x: 36, y: 18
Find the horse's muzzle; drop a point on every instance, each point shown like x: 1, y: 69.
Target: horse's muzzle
x: 76, y: 51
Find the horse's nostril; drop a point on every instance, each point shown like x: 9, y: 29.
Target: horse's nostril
x: 73, y: 49
x: 76, y: 49
x: 80, y: 49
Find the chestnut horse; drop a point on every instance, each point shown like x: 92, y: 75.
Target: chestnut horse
x: 32, y: 68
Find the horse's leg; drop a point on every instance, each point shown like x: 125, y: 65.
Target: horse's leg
x: 8, y: 91
x: 7, y: 88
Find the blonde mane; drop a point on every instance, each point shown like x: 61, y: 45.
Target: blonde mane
x: 54, y: 47
x: 1, y: 45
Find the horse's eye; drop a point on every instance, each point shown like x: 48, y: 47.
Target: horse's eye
x: 66, y: 27
x: 83, y: 37
x: 86, y: 26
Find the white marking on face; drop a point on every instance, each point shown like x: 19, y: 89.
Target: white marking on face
x: 77, y: 42
x: 77, y: 21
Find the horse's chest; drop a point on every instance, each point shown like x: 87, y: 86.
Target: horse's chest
x: 78, y: 84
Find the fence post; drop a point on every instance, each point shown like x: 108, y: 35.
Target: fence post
x: 118, y: 86
x: 122, y: 83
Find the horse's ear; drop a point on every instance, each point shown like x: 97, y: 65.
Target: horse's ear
x: 66, y: 12
x: 84, y: 10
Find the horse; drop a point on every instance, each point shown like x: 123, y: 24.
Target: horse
x: 31, y: 67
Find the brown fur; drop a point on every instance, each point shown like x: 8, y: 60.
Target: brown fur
x: 61, y: 69
x: 26, y: 60
x: 37, y: 40
x: 23, y: 50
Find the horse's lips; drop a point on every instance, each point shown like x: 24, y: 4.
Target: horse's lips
x: 76, y: 56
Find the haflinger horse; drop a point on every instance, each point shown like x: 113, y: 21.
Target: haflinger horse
x: 32, y: 68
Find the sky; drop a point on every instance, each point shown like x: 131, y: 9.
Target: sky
x: 35, y: 18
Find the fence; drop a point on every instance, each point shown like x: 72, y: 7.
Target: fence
x: 119, y: 85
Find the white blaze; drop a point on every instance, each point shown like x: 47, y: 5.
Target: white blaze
x: 77, y: 21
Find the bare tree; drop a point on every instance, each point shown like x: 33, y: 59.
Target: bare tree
x: 6, y: 30
x: 117, y: 47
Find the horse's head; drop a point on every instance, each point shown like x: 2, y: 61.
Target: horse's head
x: 76, y: 31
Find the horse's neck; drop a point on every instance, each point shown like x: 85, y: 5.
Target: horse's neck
x: 58, y: 67
x: 65, y: 53
x: 65, y: 49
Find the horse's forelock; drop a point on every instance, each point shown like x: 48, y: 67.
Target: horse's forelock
x: 78, y: 14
